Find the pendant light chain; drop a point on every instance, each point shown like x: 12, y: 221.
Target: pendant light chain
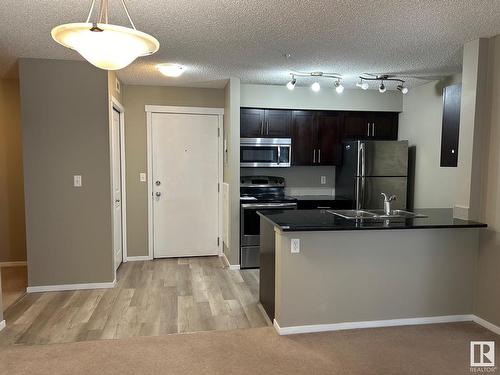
x: 103, y: 12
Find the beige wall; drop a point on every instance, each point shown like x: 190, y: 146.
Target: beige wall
x: 487, y: 303
x: 273, y: 96
x: 135, y: 98
x: 65, y: 124
x: 232, y: 168
x: 12, y: 223
x: 355, y: 276
x: 421, y: 123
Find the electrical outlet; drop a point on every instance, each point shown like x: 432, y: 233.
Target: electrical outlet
x: 142, y: 177
x: 77, y: 181
x: 295, y: 246
x: 323, y: 180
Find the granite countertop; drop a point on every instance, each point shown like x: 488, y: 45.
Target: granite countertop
x: 324, y: 197
x: 321, y: 220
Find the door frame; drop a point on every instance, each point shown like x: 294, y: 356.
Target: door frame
x: 114, y: 104
x: 150, y: 109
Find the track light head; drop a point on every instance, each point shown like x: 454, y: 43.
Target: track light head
x: 338, y: 87
x: 404, y: 90
x: 291, y: 85
x: 362, y: 84
x: 382, y: 87
x: 316, y: 87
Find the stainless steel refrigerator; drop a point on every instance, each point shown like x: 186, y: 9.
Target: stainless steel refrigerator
x: 370, y: 168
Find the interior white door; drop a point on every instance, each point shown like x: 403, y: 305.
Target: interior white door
x: 185, y: 161
x: 117, y: 190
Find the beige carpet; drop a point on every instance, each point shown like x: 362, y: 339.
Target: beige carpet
x: 431, y: 349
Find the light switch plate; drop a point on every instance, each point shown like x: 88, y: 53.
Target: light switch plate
x: 77, y: 181
x: 323, y: 180
x: 142, y: 177
x: 295, y: 246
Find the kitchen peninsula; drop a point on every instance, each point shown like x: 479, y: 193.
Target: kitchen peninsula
x: 320, y: 271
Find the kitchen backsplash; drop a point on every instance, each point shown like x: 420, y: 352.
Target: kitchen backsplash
x: 300, y: 180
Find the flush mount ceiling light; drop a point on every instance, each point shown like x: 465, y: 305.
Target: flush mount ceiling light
x: 382, y: 87
x: 170, y: 70
x: 104, y: 45
x: 316, y: 87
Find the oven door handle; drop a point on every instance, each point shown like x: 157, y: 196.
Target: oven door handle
x: 268, y: 205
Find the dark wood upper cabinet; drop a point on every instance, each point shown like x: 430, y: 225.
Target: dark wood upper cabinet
x: 385, y: 125
x: 265, y: 123
x: 356, y: 125
x: 452, y: 96
x: 251, y: 122
x: 329, y: 137
x: 278, y: 123
x: 316, y: 138
x: 371, y: 125
x: 302, y: 137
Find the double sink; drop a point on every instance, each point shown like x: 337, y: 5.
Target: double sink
x: 375, y: 214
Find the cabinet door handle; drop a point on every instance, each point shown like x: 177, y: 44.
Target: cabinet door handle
x: 319, y: 156
x: 373, y: 129
x: 314, y: 156
x: 261, y: 127
x: 368, y: 129
x: 267, y: 126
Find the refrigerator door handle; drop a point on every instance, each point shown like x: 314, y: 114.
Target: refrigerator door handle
x: 368, y: 130
x: 362, y: 151
x: 373, y: 129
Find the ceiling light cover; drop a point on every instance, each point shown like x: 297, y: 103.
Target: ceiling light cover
x: 113, y: 48
x: 316, y: 87
x: 170, y: 70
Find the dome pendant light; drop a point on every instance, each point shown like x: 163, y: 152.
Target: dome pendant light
x: 104, y: 45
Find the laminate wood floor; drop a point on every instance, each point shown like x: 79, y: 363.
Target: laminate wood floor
x: 151, y: 298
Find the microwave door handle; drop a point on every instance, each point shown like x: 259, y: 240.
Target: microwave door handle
x: 279, y: 154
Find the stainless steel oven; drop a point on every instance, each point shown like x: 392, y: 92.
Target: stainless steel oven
x: 250, y: 229
x: 265, y: 152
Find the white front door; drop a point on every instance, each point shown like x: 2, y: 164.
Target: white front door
x: 117, y: 190
x: 185, y: 161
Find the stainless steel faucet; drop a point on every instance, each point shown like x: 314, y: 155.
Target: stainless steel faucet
x: 387, y: 203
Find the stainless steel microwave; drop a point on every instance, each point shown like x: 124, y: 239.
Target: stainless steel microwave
x: 265, y: 152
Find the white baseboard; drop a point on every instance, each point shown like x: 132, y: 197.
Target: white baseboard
x: 139, y: 258
x: 370, y: 324
x: 232, y: 267
x: 2, y: 325
x: 486, y: 324
x: 64, y: 287
x: 13, y: 264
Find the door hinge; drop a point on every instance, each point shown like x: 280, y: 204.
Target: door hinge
x: 218, y: 187
x: 218, y: 241
x: 218, y: 132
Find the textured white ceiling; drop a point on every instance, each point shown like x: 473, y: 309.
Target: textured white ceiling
x: 216, y: 39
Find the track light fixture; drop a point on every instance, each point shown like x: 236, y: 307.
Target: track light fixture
x: 291, y: 85
x: 316, y: 87
x: 382, y: 78
x: 338, y: 87
x: 363, y: 85
x: 403, y: 89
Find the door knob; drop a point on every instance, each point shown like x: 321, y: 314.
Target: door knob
x: 158, y: 194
